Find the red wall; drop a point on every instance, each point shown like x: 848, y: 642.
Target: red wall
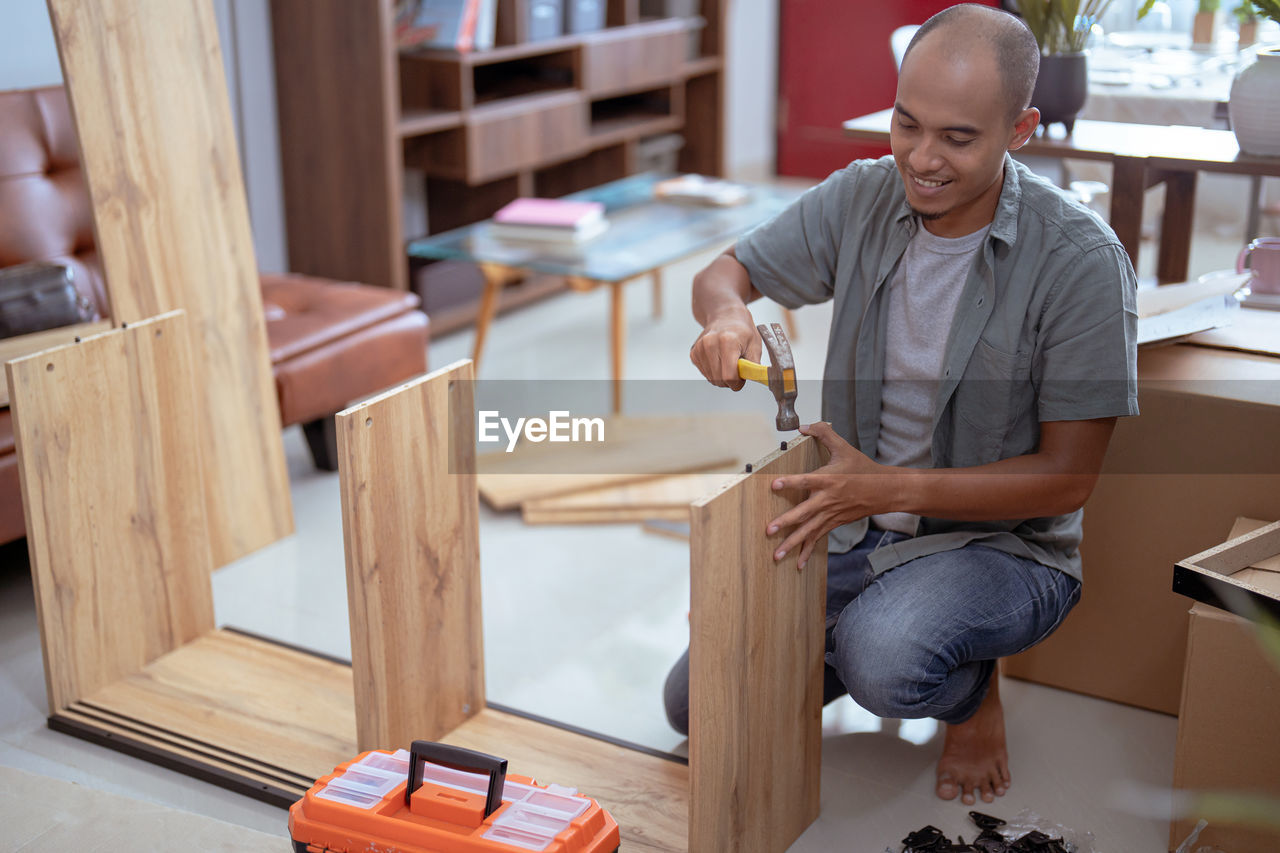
x: 834, y: 64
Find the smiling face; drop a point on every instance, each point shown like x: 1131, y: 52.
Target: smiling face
x: 952, y: 125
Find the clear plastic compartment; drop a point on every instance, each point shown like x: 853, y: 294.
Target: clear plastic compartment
x: 476, y: 783
x: 367, y: 781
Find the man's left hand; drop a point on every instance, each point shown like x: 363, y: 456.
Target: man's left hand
x: 850, y: 486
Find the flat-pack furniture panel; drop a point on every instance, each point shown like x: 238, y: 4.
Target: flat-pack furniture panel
x: 146, y: 85
x: 755, y: 666
x: 410, y: 523
x: 109, y: 455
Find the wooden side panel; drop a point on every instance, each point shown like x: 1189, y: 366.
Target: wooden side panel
x: 410, y: 522
x: 109, y: 461
x: 145, y: 80
x: 755, y: 663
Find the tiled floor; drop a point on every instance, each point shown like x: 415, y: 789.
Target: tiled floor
x: 604, y: 631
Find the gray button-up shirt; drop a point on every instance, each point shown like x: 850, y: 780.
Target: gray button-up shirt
x: 1045, y: 331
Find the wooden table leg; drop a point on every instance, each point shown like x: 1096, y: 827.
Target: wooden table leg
x: 618, y: 342
x: 656, y: 275
x: 1175, y: 226
x: 1128, y: 184
x: 495, y: 278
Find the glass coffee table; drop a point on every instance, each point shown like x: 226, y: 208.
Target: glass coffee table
x: 645, y: 234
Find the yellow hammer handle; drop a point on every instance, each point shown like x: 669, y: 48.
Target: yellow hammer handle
x: 754, y: 372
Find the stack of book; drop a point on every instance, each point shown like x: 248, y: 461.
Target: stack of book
x: 549, y: 220
x: 697, y: 189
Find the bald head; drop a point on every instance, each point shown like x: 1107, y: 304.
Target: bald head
x: 960, y: 31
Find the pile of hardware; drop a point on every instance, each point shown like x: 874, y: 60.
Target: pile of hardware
x: 929, y: 839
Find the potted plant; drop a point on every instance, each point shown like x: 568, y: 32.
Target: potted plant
x: 1062, y: 29
x: 1202, y: 24
x: 1246, y: 24
x: 1254, y: 107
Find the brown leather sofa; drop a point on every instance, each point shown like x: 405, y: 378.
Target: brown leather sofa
x: 330, y: 342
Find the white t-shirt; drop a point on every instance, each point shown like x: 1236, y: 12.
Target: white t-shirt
x: 922, y: 300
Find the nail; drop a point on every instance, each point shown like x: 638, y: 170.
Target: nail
x: 773, y: 528
x: 779, y: 555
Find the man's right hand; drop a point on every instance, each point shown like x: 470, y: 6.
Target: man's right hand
x: 722, y: 342
x: 720, y: 296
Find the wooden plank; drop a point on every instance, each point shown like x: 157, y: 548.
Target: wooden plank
x: 17, y: 347
x: 244, y: 698
x: 409, y: 519
x: 755, y: 663
x: 634, y: 449
x: 648, y: 796
x: 108, y: 458
x: 147, y: 91
x: 663, y: 498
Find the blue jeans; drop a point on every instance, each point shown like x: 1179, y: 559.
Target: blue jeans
x: 922, y: 639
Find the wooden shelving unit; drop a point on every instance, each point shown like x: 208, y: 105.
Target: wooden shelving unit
x: 480, y: 129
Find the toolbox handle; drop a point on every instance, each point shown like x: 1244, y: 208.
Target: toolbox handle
x: 458, y: 758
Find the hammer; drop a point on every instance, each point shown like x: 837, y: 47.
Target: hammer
x: 779, y: 376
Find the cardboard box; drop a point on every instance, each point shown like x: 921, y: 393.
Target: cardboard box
x: 1204, y: 451
x: 1227, y: 737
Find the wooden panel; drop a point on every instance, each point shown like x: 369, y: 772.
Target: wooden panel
x: 666, y: 498
x: 617, y: 60
x: 647, y: 795
x: 109, y: 460
x: 244, y: 699
x: 20, y: 345
x: 634, y: 449
x: 755, y: 662
x: 409, y: 519
x: 538, y: 130
x: 338, y: 100
x: 146, y: 86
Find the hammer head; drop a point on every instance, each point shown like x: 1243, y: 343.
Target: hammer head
x: 782, y: 374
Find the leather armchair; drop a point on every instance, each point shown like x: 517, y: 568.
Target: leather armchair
x: 330, y: 342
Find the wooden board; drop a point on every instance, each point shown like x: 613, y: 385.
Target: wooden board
x: 242, y: 699
x: 147, y: 91
x: 662, y: 499
x: 755, y: 662
x: 409, y: 519
x: 109, y: 461
x: 634, y: 449
x: 20, y: 345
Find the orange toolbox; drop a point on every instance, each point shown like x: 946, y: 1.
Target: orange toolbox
x: 437, y: 798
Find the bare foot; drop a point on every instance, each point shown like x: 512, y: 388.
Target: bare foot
x: 974, y: 759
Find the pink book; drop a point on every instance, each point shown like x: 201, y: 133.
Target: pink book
x: 550, y: 213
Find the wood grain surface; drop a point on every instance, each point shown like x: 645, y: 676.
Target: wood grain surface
x: 147, y: 91
x: 246, y: 699
x: 755, y: 662
x: 634, y: 449
x: 20, y: 345
x: 662, y: 498
x: 409, y: 520
x: 109, y: 461
x: 648, y: 796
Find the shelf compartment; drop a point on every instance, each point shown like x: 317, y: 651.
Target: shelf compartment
x: 525, y: 75
x: 421, y: 122
x: 633, y: 57
x: 600, y: 166
x: 632, y: 116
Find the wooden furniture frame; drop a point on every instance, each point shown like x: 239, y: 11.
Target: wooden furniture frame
x: 1141, y: 156
x: 412, y: 560
x: 1208, y: 576
x: 172, y: 225
x: 544, y: 118
x: 132, y: 660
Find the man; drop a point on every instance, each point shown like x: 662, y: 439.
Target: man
x: 981, y: 349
